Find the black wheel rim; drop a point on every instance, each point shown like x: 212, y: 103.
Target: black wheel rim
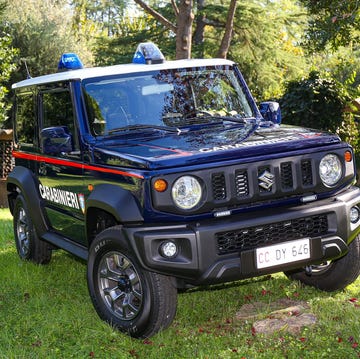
x: 22, y: 233
x: 120, y: 286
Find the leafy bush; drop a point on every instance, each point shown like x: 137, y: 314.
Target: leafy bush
x: 7, y: 66
x: 320, y: 103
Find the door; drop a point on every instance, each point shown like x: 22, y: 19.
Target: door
x: 60, y: 164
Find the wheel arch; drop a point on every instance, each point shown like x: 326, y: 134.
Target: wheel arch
x: 22, y: 179
x: 114, y: 201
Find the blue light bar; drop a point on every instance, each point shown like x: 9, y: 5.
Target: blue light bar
x: 69, y: 61
x: 148, y: 53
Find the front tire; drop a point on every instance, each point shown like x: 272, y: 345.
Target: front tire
x: 133, y: 300
x: 28, y: 244
x: 334, y: 275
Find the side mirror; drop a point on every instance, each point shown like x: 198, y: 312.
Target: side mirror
x: 55, y: 140
x: 271, y: 112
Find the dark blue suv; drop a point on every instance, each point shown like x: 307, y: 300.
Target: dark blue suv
x: 164, y: 175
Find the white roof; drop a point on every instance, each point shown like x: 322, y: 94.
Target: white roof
x: 118, y: 70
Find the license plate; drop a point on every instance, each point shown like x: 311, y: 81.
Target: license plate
x: 278, y: 254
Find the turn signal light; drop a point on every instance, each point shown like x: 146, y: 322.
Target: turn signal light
x: 160, y: 185
x: 348, y: 156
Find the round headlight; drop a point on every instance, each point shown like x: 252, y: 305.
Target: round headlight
x: 330, y: 169
x: 186, y: 192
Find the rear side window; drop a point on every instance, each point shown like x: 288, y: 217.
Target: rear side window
x: 25, y: 123
x: 57, y: 109
x: 57, y: 132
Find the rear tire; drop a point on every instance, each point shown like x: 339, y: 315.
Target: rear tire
x: 334, y: 275
x: 133, y: 300
x: 28, y: 244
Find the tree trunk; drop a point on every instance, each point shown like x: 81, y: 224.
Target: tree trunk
x: 184, y: 21
x: 226, y: 40
x: 183, y: 27
x: 200, y: 23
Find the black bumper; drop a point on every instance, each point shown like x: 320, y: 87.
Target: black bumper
x: 201, y: 258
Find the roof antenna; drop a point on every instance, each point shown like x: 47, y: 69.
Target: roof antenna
x: 26, y: 67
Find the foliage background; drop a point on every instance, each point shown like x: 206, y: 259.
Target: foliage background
x: 277, y: 43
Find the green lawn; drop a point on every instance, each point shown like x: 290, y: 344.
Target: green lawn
x: 45, y: 312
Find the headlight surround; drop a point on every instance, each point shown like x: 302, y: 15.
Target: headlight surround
x: 186, y: 192
x: 330, y: 169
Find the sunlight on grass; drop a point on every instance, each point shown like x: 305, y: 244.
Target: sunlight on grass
x: 5, y: 214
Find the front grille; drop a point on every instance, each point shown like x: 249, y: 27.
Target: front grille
x: 253, y: 237
x: 258, y: 182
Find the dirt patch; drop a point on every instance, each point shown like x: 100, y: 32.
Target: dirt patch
x: 282, y: 315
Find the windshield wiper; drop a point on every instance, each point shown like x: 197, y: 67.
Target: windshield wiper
x: 218, y: 119
x: 244, y: 120
x: 144, y: 127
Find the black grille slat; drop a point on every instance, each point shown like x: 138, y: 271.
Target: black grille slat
x: 241, y: 183
x: 219, y: 186
x: 286, y: 176
x: 253, y: 237
x: 306, y: 173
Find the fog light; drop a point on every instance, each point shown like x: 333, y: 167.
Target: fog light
x: 354, y: 214
x: 168, y: 249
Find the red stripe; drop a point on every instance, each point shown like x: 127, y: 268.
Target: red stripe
x: 57, y: 161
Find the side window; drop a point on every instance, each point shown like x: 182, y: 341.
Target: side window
x: 25, y: 121
x: 58, y: 133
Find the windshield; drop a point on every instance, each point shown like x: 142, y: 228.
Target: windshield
x: 168, y: 99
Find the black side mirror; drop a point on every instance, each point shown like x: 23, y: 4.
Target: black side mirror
x: 271, y: 112
x: 55, y: 140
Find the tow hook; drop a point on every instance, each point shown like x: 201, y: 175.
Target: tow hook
x: 308, y: 270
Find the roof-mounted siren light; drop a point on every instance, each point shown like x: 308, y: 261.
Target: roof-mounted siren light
x: 148, y: 53
x: 69, y: 61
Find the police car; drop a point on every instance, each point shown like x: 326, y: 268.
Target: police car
x: 165, y: 175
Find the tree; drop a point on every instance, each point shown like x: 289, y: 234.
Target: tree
x: 266, y: 61
x: 120, y: 48
x: 97, y: 17
x: 332, y: 22
x: 315, y: 101
x: 7, y: 66
x: 183, y: 27
x: 226, y: 40
x: 332, y: 39
x: 321, y: 102
x: 267, y: 44
x: 185, y: 17
x: 42, y: 31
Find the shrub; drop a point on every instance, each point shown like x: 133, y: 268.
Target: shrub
x: 320, y: 103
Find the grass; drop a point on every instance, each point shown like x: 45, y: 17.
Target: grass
x: 45, y: 312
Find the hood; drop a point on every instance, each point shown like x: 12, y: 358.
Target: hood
x: 157, y: 149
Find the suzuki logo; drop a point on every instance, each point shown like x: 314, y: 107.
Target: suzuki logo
x: 266, y: 180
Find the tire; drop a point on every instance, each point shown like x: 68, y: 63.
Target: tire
x: 131, y: 299
x: 28, y: 244
x: 333, y: 275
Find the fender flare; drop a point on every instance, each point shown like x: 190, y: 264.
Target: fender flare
x: 21, y: 178
x: 117, y: 201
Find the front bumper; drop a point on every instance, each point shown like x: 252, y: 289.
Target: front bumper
x: 201, y: 258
